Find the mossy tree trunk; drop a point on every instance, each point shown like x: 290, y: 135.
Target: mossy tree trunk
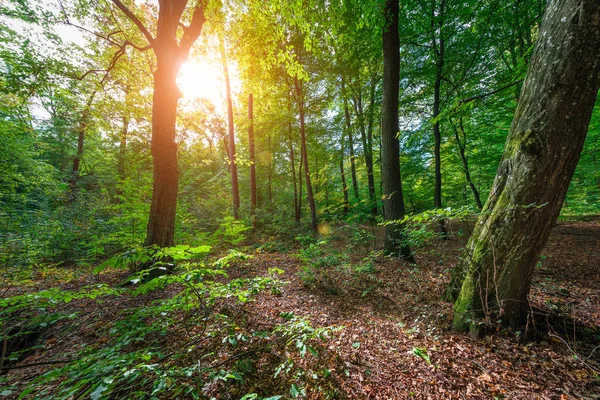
x: 540, y: 156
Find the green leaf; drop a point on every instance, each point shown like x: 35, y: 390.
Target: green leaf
x: 96, y: 393
x: 294, y: 391
x: 422, y: 353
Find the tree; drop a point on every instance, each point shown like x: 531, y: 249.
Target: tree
x: 252, y: 158
x: 393, y: 200
x: 438, y: 47
x: 170, y: 54
x: 350, y: 142
x: 540, y: 156
x: 235, y: 191
x: 309, y: 189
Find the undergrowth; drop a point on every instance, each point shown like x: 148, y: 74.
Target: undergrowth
x: 198, y: 339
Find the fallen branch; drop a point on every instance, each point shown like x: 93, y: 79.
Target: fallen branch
x: 37, y: 364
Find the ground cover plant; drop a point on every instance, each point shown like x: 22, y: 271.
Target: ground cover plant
x: 252, y: 199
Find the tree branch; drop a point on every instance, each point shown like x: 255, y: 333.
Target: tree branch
x: 191, y: 32
x: 120, y: 53
x: 484, y: 95
x: 37, y: 364
x: 135, y: 20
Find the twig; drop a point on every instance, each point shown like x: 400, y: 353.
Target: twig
x: 577, y: 357
x: 37, y: 364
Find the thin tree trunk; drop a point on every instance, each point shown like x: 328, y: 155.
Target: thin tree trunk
x: 390, y: 146
x: 270, y: 173
x: 309, y: 190
x: 121, y: 169
x: 438, y: 48
x: 367, y: 141
x: 317, y: 173
x: 123, y: 147
x: 300, y: 185
x: 235, y: 191
x: 462, y: 144
x: 293, y: 166
x: 343, y: 177
x: 540, y: 156
x: 252, y: 158
x: 81, y: 130
x: 350, y: 143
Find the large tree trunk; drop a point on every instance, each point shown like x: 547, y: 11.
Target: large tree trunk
x: 235, y: 191
x: 170, y: 55
x: 161, y: 225
x: 393, y: 199
x: 309, y: 190
x: 541, y: 153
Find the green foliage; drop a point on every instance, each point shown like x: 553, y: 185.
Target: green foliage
x: 137, y: 357
x: 422, y: 353
x: 421, y: 229
x: 152, y: 256
x: 318, y: 265
x: 230, y: 231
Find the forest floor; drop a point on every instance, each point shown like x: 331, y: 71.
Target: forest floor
x: 395, y: 342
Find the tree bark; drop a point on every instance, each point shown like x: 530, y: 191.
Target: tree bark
x: 300, y: 185
x: 438, y: 46
x: 235, y: 190
x: 161, y: 225
x: 123, y: 147
x: 293, y: 167
x: 170, y: 55
x: 309, y: 190
x: 350, y: 143
x: 270, y: 172
x: 366, y: 136
x: 252, y: 158
x: 540, y: 156
x: 346, y: 206
x: 81, y: 130
x: 393, y: 199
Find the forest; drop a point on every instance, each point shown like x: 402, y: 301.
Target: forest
x: 304, y: 199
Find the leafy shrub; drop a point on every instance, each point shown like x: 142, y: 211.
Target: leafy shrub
x: 421, y: 229
x: 231, y: 231
x: 195, y: 343
x: 318, y: 266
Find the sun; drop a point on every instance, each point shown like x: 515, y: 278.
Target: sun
x: 203, y: 80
